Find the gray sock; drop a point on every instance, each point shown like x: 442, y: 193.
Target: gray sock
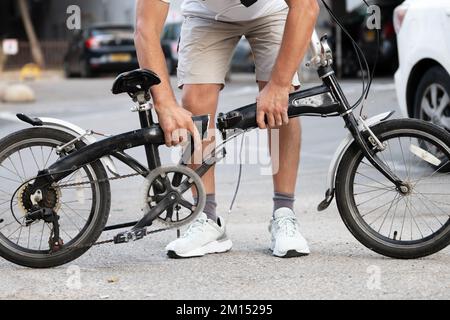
x: 210, y: 206
x: 283, y: 200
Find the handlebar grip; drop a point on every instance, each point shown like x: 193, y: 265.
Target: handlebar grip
x: 243, y: 118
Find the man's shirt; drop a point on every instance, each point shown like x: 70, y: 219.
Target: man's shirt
x: 231, y: 10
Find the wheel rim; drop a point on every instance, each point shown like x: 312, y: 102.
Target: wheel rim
x: 385, y: 214
x: 77, y: 206
x: 435, y: 106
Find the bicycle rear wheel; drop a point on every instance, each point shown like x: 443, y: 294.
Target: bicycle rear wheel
x: 82, y: 206
x: 390, y: 222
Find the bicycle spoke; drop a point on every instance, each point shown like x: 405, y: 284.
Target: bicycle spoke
x: 393, y: 218
x: 34, y: 158
x: 42, y: 235
x: 436, y: 171
x: 413, y: 219
x: 20, y: 232
x: 372, y: 187
x: 386, y: 213
x: 29, y: 236
x: 433, y: 203
x: 15, y: 172
x: 403, y: 222
x: 403, y: 156
x: 383, y: 205
x: 4, y: 192
x: 12, y: 180
x: 384, y: 185
x: 371, y: 191
x: 21, y: 163
x: 63, y: 231
x: 429, y: 209
x: 374, y: 198
x: 48, y: 158
x: 74, y: 212
x: 422, y: 218
x: 18, y: 228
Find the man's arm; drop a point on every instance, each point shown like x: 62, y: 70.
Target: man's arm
x: 273, y: 99
x: 150, y: 18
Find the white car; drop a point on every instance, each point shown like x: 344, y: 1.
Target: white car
x: 423, y: 78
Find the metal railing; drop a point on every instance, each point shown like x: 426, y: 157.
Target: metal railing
x: 53, y: 51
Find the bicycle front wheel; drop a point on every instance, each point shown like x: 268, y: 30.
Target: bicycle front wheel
x: 392, y: 223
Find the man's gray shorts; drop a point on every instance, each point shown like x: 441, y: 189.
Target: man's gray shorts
x: 207, y: 46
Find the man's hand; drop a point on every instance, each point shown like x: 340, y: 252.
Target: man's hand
x: 176, y: 122
x: 272, y: 104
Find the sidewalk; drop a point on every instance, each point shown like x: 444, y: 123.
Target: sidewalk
x: 13, y: 76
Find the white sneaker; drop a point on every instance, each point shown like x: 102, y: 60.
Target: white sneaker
x: 202, y: 237
x: 287, y: 241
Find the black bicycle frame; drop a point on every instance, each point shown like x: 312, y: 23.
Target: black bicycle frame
x: 309, y: 102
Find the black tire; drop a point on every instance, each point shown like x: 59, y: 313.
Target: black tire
x: 86, y: 70
x: 171, y: 66
x: 354, y: 220
x: 67, y: 72
x: 436, y: 76
x: 94, y: 224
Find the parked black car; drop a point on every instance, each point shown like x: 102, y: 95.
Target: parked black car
x: 242, y: 59
x: 101, y: 48
x: 356, y: 23
x: 169, y: 44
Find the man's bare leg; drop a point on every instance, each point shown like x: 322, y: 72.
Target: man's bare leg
x: 286, y: 239
x: 201, y: 99
x: 289, y: 144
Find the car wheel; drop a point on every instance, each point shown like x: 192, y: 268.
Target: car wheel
x: 86, y: 70
x: 171, y: 66
x: 432, y: 102
x: 67, y: 72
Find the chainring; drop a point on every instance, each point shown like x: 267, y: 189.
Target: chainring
x: 151, y: 197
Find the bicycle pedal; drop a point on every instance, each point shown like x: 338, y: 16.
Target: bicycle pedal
x: 133, y: 235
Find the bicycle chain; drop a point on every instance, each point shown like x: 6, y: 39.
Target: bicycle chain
x: 104, y: 180
x: 75, y: 184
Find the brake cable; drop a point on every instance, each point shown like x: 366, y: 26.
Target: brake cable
x: 359, y: 54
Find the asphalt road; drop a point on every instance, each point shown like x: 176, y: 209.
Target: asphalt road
x: 338, y: 268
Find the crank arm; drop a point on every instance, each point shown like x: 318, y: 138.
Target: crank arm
x: 168, y: 200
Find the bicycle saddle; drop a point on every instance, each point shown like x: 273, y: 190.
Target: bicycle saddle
x: 135, y: 81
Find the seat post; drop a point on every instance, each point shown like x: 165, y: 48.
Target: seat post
x: 144, y: 109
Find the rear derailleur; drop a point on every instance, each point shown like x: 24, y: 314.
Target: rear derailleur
x: 48, y: 215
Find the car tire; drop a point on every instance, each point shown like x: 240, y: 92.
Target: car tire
x: 67, y: 72
x: 429, y: 104
x: 171, y: 66
x: 86, y: 70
